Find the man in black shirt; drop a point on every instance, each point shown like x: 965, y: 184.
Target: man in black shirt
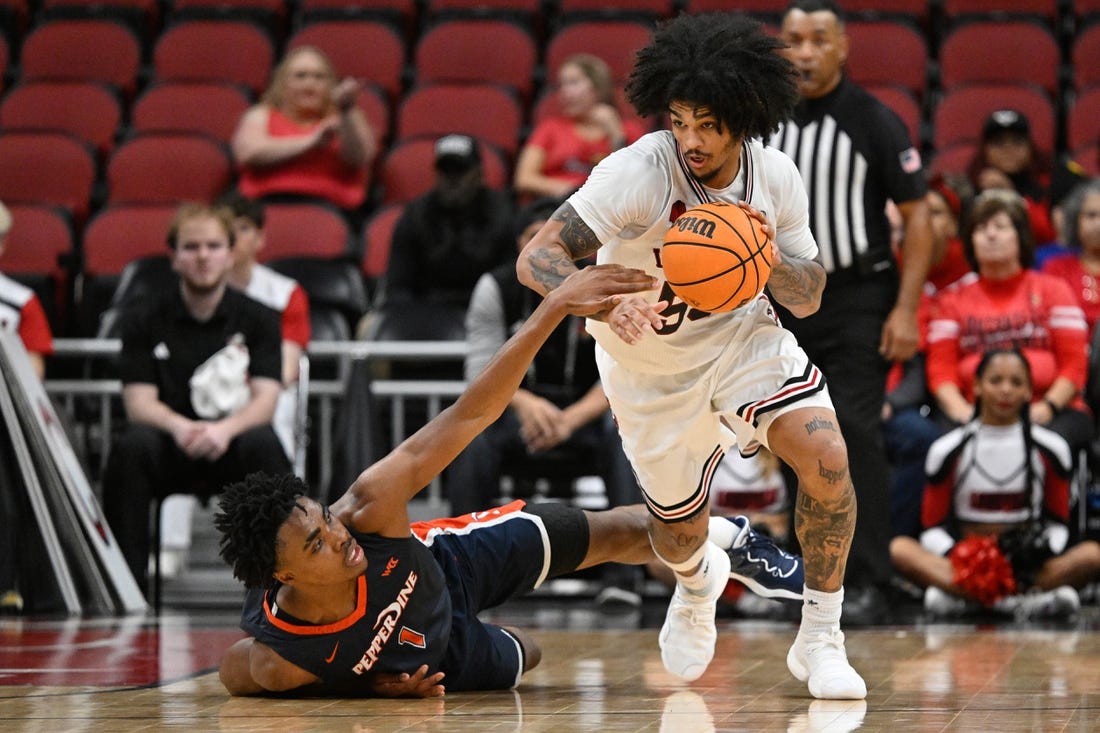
x: 854, y: 154
x: 201, y: 372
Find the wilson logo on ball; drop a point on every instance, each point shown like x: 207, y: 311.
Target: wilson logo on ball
x: 716, y: 257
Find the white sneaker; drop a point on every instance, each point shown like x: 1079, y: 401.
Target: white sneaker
x: 821, y: 661
x: 1058, y: 603
x: 830, y: 716
x: 939, y: 602
x: 688, y: 636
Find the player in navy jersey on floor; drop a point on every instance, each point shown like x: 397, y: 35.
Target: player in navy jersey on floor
x: 345, y: 599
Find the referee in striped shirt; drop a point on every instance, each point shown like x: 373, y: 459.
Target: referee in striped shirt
x: 854, y: 154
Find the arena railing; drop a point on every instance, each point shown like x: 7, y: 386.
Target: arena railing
x: 325, y: 394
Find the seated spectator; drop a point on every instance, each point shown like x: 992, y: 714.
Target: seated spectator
x: 560, y: 406
x: 564, y: 148
x: 908, y: 429
x: 201, y: 369
x: 276, y: 291
x: 21, y: 313
x: 1080, y: 267
x: 996, y: 509
x: 284, y: 296
x: 1009, y: 305
x: 446, y: 239
x: 307, y: 136
x: 1008, y: 159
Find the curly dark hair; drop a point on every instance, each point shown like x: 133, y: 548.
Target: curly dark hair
x: 725, y: 62
x: 250, y: 514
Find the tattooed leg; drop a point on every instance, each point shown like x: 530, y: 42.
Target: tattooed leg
x: 809, y: 440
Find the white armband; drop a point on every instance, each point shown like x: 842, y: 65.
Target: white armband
x: 937, y: 541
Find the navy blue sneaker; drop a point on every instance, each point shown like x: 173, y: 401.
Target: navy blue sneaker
x: 757, y: 561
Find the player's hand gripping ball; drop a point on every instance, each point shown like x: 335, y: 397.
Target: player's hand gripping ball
x: 716, y: 257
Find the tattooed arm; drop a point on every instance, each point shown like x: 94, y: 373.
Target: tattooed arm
x: 797, y: 284
x: 548, y: 258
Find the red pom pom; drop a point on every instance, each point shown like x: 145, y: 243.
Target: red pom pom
x: 982, y: 570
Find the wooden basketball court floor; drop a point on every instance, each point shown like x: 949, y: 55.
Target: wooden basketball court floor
x: 599, y: 673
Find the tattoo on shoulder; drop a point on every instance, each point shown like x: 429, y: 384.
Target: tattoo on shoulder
x: 575, y: 234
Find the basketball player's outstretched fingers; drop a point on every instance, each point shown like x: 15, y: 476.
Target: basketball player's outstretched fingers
x: 631, y: 318
x: 417, y: 684
x: 597, y: 289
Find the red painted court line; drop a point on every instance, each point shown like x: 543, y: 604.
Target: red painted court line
x: 108, y: 657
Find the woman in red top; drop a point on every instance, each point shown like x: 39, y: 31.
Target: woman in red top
x: 1009, y: 305
x: 564, y: 147
x: 1081, y: 268
x: 307, y: 136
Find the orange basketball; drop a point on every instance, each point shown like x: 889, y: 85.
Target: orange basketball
x: 716, y: 257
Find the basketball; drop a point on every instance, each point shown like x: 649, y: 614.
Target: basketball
x: 716, y: 257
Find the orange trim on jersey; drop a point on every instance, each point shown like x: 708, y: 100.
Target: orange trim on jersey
x: 311, y: 630
x: 423, y: 529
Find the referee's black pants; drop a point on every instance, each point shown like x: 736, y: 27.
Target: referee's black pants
x: 145, y: 463
x: 842, y: 339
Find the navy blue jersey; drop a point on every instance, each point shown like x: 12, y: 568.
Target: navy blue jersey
x: 418, y: 600
x: 402, y: 618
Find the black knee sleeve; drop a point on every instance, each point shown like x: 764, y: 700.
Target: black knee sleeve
x: 567, y: 528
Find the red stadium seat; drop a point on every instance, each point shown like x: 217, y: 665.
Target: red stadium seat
x: 962, y: 112
x: 29, y: 167
x: 89, y: 111
x: 885, y: 52
x: 644, y: 10
x: 209, y: 108
x: 902, y: 103
x: 117, y: 235
x: 485, y: 111
x: 954, y: 159
x: 1044, y: 10
x: 478, y: 51
x: 547, y: 104
x: 525, y: 12
x: 270, y: 14
x: 1086, y: 58
x: 167, y: 168
x: 408, y: 170
x: 39, y: 236
x: 616, y: 42
x: 769, y: 10
x: 82, y: 50
x: 377, y: 238
x: 401, y: 14
x: 141, y: 16
x: 376, y: 107
x: 991, y: 52
x: 1084, y: 119
x: 369, y: 50
x: 304, y: 230
x: 214, y: 50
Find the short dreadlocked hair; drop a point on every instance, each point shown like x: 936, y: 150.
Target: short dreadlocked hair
x: 251, y: 512
x: 725, y: 62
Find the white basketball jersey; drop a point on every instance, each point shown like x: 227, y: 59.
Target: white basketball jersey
x: 630, y: 201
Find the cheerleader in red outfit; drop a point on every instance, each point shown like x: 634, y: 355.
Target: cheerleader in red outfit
x: 996, y: 523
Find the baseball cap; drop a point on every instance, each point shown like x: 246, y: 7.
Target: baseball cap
x: 5, y: 219
x: 456, y: 154
x: 1006, y: 120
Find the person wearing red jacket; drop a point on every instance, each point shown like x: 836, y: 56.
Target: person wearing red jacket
x: 1010, y: 305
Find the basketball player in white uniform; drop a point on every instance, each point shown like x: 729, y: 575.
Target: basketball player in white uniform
x: 682, y: 382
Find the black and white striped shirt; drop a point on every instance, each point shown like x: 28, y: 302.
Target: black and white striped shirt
x: 853, y: 153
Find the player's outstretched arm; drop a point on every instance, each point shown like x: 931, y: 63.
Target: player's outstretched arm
x: 377, y: 501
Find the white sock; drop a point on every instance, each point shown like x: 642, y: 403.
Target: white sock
x: 821, y: 610
x: 694, y: 581
x: 722, y: 532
